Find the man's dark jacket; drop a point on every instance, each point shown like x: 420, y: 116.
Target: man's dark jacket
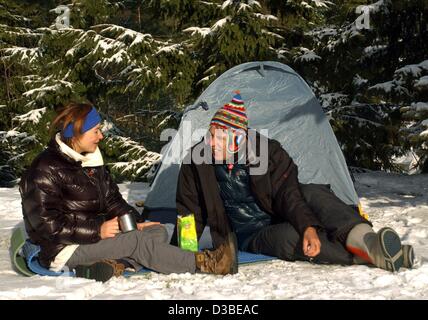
x: 276, y: 191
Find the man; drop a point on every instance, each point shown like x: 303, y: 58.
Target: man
x: 271, y: 212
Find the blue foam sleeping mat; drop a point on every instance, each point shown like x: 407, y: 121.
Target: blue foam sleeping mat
x: 24, y: 256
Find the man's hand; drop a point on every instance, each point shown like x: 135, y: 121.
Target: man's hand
x: 143, y: 225
x: 311, y: 243
x: 109, y: 229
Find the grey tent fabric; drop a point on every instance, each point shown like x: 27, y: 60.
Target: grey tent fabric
x: 278, y: 100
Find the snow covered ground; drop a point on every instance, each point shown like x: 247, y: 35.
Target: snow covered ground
x: 391, y: 200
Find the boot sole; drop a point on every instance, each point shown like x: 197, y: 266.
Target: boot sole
x: 409, y: 256
x: 391, y: 248
x: 99, y: 271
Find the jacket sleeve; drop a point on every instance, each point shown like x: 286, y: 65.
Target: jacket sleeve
x: 116, y: 205
x: 188, y: 197
x: 42, y: 203
x: 288, y: 200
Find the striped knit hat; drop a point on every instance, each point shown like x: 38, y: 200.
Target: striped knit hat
x: 232, y: 115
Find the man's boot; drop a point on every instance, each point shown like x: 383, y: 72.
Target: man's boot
x: 222, y: 261
x: 408, y: 256
x: 382, y: 249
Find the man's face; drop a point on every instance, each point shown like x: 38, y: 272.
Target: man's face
x: 219, y: 143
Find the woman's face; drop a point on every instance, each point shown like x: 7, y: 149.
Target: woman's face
x: 88, y: 142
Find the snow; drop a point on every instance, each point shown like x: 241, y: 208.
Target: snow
x: 205, y: 79
x: 422, y: 82
x: 196, y: 30
x: 171, y: 48
x: 144, y: 161
x: 321, y: 3
x: 320, y: 33
x: 398, y: 201
x: 379, y: 6
x: 420, y: 106
x: 390, y: 86
x: 41, y: 91
x: 306, y: 55
x: 29, y: 55
x: 359, y: 81
x: 220, y: 23
x: 413, y: 70
x: 13, y: 134
x: 242, y: 6
x: 33, y: 116
x: 343, y: 36
x: 306, y: 5
x: 208, y: 31
x: 272, y: 34
x: 140, y: 38
x: 384, y: 86
x: 226, y: 4
x: 125, y: 34
x: 332, y: 99
x: 134, y: 151
x: 106, y: 44
x: 118, y: 57
x: 408, y: 162
x: 371, y: 50
x: 265, y: 16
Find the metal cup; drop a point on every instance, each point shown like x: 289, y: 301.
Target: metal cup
x: 127, y: 222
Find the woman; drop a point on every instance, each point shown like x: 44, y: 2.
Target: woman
x: 71, y: 207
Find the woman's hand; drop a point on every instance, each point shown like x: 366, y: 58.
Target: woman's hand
x: 143, y: 225
x: 110, y: 228
x: 311, y: 243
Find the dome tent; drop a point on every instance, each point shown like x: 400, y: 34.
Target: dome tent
x: 277, y: 99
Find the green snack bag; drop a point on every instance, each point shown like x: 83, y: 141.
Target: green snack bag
x: 187, y: 237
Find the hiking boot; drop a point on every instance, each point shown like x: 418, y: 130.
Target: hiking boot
x: 387, y: 254
x: 221, y: 261
x: 382, y: 249
x: 408, y: 256
x: 100, y: 271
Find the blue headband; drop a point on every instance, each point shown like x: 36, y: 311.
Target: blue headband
x: 91, y: 120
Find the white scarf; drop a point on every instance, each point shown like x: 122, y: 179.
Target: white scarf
x: 94, y: 159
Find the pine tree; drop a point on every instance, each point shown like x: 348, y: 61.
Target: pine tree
x: 240, y: 31
x: 18, y: 56
x: 120, y: 70
x: 141, y: 62
x: 350, y: 69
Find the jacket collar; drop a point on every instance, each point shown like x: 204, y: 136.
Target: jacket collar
x: 94, y: 159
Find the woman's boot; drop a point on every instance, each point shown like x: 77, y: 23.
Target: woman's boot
x: 100, y: 271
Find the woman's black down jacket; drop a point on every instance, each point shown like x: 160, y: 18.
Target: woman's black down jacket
x: 64, y: 203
